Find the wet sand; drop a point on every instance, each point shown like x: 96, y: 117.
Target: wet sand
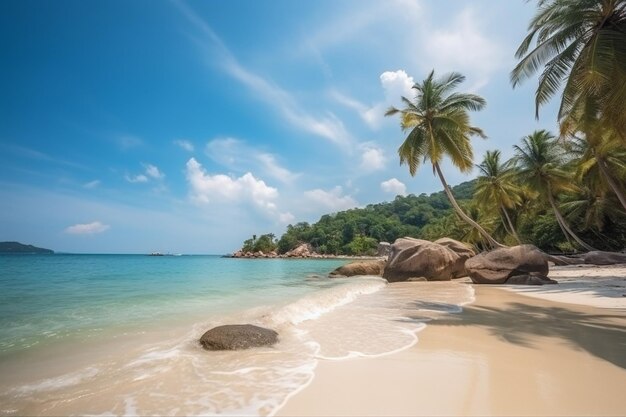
x: 505, y: 354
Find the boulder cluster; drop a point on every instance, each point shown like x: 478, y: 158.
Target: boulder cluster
x: 302, y: 251
x: 445, y: 259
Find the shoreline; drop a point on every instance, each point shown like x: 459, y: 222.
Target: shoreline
x: 505, y: 354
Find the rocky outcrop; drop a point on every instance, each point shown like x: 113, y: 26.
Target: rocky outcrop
x: 238, y: 336
x: 414, y: 258
x: 359, y: 268
x: 301, y: 251
x: 462, y: 250
x: 384, y: 249
x: 499, y: 265
x: 590, y: 258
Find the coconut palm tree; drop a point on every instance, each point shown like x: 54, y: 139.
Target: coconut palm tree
x: 600, y: 157
x: 496, y: 187
x: 540, y: 162
x: 581, y: 46
x: 438, y: 125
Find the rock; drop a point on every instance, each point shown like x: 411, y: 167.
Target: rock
x: 359, y: 268
x: 301, y: 251
x: 561, y: 260
x: 497, y: 266
x: 461, y: 249
x: 384, y: 249
x: 411, y: 258
x: 527, y: 279
x: 604, y: 258
x: 237, y: 336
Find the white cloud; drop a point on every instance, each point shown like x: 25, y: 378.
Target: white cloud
x: 372, y: 159
x: 332, y: 200
x: 153, y: 171
x: 395, y: 84
x: 286, y: 218
x: 136, y: 178
x: 184, y: 144
x: 393, y: 186
x: 87, y: 228
x: 328, y: 126
x: 91, y: 184
x: 207, y: 188
x: 464, y: 47
x: 237, y: 155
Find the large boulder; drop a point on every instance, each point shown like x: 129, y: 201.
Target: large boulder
x: 529, y: 280
x: 384, y: 249
x: 497, y: 266
x: 604, y: 258
x: 413, y: 258
x: 461, y: 249
x: 359, y: 268
x: 237, y: 336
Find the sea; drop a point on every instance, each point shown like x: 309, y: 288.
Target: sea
x: 119, y: 334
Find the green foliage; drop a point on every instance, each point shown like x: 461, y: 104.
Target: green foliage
x: 265, y: 243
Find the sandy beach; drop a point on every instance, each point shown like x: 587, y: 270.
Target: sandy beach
x: 511, y: 352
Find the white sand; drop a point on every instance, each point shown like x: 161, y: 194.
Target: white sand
x: 505, y: 354
x: 591, y: 285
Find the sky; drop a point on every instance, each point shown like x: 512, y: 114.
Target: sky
x: 188, y: 126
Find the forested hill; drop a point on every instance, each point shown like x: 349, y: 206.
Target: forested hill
x: 16, y: 247
x: 358, y: 231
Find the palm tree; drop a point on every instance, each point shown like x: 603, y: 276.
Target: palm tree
x: 581, y: 44
x: 438, y: 125
x: 540, y: 162
x: 496, y: 188
x: 600, y: 158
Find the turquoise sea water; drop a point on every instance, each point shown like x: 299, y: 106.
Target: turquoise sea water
x: 51, y: 297
x: 118, y: 334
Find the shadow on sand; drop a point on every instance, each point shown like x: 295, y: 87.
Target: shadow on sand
x: 602, y: 335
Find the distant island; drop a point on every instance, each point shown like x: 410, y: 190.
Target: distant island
x: 16, y: 247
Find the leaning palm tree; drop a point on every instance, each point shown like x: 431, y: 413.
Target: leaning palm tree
x: 438, y: 125
x: 540, y: 161
x: 581, y: 46
x: 496, y: 187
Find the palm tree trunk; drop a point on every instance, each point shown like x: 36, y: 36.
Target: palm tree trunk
x: 614, y: 186
x: 564, y: 226
x: 492, y: 242
x: 510, y: 223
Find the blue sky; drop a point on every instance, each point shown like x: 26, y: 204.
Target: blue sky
x: 185, y: 127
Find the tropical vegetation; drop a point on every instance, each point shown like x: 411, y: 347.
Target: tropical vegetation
x: 562, y: 191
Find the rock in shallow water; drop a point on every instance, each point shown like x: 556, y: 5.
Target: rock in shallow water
x: 359, y: 268
x: 238, y: 336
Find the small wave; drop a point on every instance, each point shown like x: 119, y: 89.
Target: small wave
x: 62, y: 381
x: 314, y: 305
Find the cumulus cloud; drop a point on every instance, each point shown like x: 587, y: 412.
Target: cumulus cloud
x: 136, y: 178
x: 207, y: 188
x: 237, y: 155
x: 332, y: 200
x: 153, y: 171
x: 395, y: 84
x: 372, y: 158
x: 393, y: 186
x: 87, y: 228
x: 150, y: 172
x: 184, y: 144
